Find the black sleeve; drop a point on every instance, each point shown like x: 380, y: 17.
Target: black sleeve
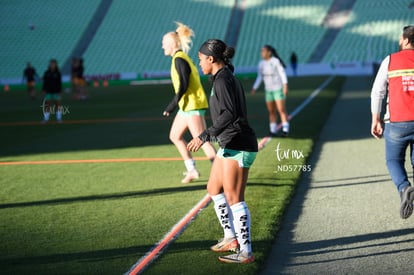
x: 184, y: 71
x: 44, y: 82
x: 223, y: 90
x: 79, y: 72
x: 60, y: 82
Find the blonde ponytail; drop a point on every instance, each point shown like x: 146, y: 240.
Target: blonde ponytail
x: 184, y: 34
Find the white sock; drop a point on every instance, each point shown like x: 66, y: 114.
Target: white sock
x: 189, y: 164
x: 285, y: 127
x: 46, y: 116
x: 273, y: 127
x: 59, y: 115
x: 224, y: 215
x: 241, y: 223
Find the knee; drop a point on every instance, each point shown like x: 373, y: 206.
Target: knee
x: 281, y: 109
x: 232, y: 198
x: 173, y: 137
x: 210, y: 190
x: 214, y: 189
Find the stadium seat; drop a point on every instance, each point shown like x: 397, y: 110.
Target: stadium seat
x: 129, y: 39
x: 372, y: 32
x: 287, y: 25
x: 38, y: 31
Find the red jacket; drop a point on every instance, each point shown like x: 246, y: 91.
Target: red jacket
x: 401, y: 86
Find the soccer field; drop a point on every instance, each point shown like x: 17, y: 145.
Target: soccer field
x: 95, y: 193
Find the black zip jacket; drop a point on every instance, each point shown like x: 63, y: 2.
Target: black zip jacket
x: 52, y: 82
x: 229, y: 114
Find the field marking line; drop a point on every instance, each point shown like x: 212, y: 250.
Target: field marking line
x: 263, y: 142
x: 90, y: 121
x: 83, y: 121
x: 75, y: 161
x: 175, y: 231
x: 159, y: 248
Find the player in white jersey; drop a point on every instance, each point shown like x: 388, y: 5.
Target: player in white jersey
x: 271, y: 71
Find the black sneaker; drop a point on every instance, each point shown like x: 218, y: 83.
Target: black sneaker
x: 407, y: 198
x: 284, y: 134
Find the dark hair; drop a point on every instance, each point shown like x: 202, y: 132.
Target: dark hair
x: 274, y: 54
x: 219, y: 51
x: 55, y: 62
x: 408, y: 33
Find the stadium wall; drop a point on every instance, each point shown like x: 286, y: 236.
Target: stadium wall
x: 311, y: 69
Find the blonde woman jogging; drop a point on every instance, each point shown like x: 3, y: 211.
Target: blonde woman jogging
x: 238, y: 149
x: 272, y: 72
x: 189, y: 97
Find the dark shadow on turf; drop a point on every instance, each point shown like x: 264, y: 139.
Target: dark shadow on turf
x: 160, y: 191
x: 261, y: 184
x: 97, y: 255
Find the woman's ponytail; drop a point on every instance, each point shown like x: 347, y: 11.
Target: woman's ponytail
x: 184, y: 34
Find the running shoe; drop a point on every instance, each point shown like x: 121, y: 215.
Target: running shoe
x: 238, y: 258
x: 407, y: 198
x: 226, y: 245
x: 190, y: 176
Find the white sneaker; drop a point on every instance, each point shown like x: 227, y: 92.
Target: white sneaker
x: 238, y: 258
x: 225, y: 245
x: 190, y: 176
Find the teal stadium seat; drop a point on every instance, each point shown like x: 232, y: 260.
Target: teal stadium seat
x: 129, y: 39
x: 58, y: 25
x: 372, y: 32
x: 288, y: 25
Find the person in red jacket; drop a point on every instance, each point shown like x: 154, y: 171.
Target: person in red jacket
x: 396, y: 76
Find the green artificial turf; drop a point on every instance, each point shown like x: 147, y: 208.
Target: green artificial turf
x: 100, y: 218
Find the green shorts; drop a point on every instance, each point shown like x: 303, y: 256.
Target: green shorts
x: 56, y: 97
x: 274, y: 95
x: 191, y: 113
x: 245, y: 159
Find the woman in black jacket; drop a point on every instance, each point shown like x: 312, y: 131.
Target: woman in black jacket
x: 52, y: 87
x: 238, y: 149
